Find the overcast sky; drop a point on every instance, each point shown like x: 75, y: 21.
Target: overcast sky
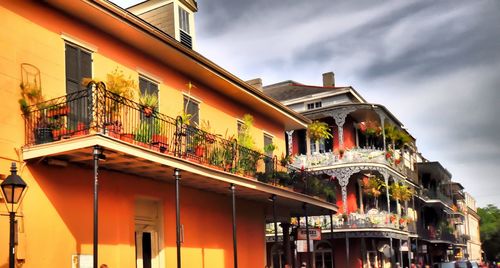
x: 434, y: 64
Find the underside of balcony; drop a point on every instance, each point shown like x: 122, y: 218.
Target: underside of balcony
x: 124, y: 157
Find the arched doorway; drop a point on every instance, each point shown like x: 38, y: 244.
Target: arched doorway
x: 323, y: 257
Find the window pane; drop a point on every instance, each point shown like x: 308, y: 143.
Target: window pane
x: 191, y: 107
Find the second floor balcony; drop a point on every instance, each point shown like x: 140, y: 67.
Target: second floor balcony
x: 392, y: 159
x: 97, y: 112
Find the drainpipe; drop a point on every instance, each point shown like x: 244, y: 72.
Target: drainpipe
x: 97, y: 153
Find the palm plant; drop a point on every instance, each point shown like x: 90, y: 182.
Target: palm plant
x: 319, y: 130
x: 148, y: 102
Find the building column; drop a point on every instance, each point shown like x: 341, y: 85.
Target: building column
x: 343, y: 175
x: 177, y: 177
x: 235, y: 247
x: 339, y: 116
x: 97, y: 154
x: 386, y: 181
x: 285, y: 226
x: 289, y: 135
x: 309, y: 259
x: 382, y: 124
x: 347, y: 250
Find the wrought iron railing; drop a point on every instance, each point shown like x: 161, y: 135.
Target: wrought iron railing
x: 354, y: 155
x: 431, y: 232
x: 97, y: 110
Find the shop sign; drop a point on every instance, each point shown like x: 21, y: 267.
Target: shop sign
x: 314, y: 234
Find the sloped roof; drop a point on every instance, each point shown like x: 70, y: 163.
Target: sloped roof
x: 288, y: 90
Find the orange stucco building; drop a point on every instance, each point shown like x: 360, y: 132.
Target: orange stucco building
x: 50, y: 46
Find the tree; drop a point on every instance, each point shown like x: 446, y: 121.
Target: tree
x: 490, y: 231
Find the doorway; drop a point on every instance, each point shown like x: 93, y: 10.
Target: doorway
x: 147, y: 232
x: 323, y: 257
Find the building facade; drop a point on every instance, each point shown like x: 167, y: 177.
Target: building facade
x: 395, y: 207
x: 472, y: 229
x: 115, y: 108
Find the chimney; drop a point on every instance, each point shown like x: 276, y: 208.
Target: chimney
x: 256, y: 82
x: 329, y: 79
x: 173, y: 17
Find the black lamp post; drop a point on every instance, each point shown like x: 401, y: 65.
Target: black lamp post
x: 12, y: 188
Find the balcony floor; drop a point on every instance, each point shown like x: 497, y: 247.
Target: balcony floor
x: 130, y: 158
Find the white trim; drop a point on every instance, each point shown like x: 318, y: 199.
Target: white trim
x: 310, y: 98
x: 147, y: 75
x: 268, y: 134
x: 195, y: 99
x: 79, y: 42
x: 141, y: 10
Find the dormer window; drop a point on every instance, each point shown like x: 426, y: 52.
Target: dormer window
x: 183, y: 20
x: 184, y: 31
x: 313, y: 105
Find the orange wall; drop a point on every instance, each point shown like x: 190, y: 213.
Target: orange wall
x: 58, y: 222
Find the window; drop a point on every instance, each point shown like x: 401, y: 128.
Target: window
x: 183, y: 20
x: 192, y: 107
x: 318, y: 146
x: 268, y: 140
x: 314, y: 105
x: 78, y: 66
x: 147, y: 86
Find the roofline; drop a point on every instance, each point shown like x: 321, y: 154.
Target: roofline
x: 134, y: 21
x: 436, y: 163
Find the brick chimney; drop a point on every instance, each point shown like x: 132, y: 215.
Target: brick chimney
x: 256, y: 82
x: 329, y: 79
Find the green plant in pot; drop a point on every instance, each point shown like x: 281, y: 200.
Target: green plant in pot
x: 148, y: 102
x: 372, y: 187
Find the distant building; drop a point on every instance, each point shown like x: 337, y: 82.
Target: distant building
x: 472, y: 228
x: 370, y: 151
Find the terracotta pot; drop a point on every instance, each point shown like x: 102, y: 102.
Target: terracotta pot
x: 128, y: 137
x: 148, y: 111
x: 199, y: 151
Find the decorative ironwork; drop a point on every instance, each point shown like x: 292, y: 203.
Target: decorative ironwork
x: 339, y: 116
x: 289, y: 135
x: 97, y: 110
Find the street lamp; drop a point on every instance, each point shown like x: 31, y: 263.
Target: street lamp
x: 12, y: 188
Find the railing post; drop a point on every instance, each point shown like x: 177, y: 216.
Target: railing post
x: 177, y: 177
x: 178, y: 136
x: 275, y: 169
x: 234, y: 152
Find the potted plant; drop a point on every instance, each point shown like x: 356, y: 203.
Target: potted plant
x: 285, y: 160
x: 269, y: 148
x: 148, y: 102
x: 58, y: 128
x: 400, y: 192
x: 372, y: 187
x: 317, y: 131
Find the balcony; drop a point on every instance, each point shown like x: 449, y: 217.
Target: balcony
x: 430, y: 196
x: 442, y: 234
x: 354, y: 156
x: 370, y: 221
x: 96, y: 112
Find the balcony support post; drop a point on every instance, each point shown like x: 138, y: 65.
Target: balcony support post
x: 97, y: 153
x: 275, y: 222
x: 289, y: 135
x: 307, y: 236
x: 339, y: 116
x: 393, y: 262
x: 346, y: 249
x: 343, y: 175
x: 400, y: 253
x: 382, y: 124
x: 386, y: 181
x: 177, y: 177
x: 331, y: 232
x: 285, y: 226
x: 409, y: 251
x: 235, y: 248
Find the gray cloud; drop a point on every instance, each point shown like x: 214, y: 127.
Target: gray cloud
x: 434, y: 64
